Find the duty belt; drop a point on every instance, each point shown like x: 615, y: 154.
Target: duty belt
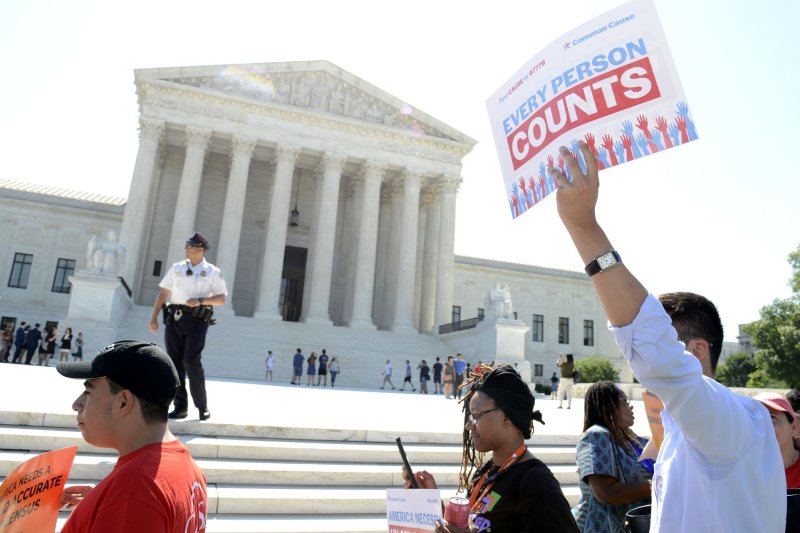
x: 174, y: 312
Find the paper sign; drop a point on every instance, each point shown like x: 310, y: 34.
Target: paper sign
x: 413, y: 510
x: 30, y: 495
x: 653, y: 407
x: 610, y: 82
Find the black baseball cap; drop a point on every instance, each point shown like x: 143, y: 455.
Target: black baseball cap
x: 198, y: 239
x: 141, y: 367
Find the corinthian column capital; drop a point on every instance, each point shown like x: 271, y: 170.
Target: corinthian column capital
x: 287, y: 153
x: 243, y: 145
x: 197, y: 137
x: 151, y: 129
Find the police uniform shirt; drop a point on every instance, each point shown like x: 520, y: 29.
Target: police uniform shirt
x: 186, y: 281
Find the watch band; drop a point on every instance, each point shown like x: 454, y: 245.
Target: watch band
x: 603, y: 262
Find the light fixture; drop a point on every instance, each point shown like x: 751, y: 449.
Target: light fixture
x: 294, y: 217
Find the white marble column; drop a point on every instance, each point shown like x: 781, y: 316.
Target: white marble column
x: 233, y: 213
x: 317, y: 289
x: 406, y: 268
x: 367, y: 243
x: 197, y: 140
x: 430, y: 260
x: 445, y: 259
x: 395, y: 191
x: 151, y: 133
x: 275, y: 242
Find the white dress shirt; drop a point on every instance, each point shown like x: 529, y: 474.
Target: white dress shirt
x: 719, y: 468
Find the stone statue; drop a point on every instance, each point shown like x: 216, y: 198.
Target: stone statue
x: 105, y: 256
x: 500, y: 305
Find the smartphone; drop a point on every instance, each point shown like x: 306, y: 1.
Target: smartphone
x: 407, y: 465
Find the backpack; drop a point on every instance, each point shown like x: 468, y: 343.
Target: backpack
x: 576, y: 376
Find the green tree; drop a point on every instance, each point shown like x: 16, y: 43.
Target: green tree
x: 777, y: 333
x: 736, y: 369
x: 594, y: 369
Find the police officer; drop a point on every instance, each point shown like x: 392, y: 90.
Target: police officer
x: 192, y: 287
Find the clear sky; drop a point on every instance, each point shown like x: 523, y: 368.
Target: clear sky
x: 717, y: 216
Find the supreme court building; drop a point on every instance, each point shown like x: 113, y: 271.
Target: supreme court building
x: 330, y: 208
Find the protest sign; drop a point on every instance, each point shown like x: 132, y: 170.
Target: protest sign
x: 610, y: 82
x: 413, y: 510
x: 30, y: 495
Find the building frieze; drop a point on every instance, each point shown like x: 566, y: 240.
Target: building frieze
x: 191, y: 100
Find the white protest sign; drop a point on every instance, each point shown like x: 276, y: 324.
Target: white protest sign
x: 610, y: 82
x: 413, y: 510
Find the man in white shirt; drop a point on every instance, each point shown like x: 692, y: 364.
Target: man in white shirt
x: 717, y: 469
x: 192, y: 287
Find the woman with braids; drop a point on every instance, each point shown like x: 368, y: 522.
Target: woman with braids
x: 513, y: 491
x: 612, y: 479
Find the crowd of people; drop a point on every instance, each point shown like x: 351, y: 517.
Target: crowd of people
x: 29, y: 341
x: 317, y: 367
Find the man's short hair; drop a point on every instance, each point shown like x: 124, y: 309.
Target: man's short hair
x: 695, y: 317
x: 152, y: 413
x: 793, y: 397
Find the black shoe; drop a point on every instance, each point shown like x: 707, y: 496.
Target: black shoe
x: 205, y: 414
x: 177, y: 414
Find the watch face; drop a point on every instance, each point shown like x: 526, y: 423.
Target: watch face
x: 606, y: 261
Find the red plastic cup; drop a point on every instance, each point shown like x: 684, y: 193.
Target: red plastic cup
x: 457, y: 512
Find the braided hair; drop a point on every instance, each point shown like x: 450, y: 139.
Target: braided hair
x: 601, y: 407
x: 511, y: 395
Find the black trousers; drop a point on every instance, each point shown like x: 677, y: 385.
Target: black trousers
x: 185, y: 341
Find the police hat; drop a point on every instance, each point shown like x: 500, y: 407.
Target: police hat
x: 198, y: 239
x: 141, y: 367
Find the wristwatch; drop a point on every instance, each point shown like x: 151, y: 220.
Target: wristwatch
x: 603, y: 262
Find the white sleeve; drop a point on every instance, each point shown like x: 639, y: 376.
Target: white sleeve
x: 168, y: 281
x: 711, y: 417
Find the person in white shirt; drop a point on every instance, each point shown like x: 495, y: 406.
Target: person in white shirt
x: 192, y: 287
x: 717, y: 469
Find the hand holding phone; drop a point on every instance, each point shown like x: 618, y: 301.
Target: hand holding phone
x: 413, y: 479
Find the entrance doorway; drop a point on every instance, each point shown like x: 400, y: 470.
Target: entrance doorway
x: 294, y: 274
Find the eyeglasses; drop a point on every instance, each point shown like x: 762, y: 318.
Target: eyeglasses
x: 474, y: 417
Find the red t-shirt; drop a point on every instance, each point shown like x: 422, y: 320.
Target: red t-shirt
x: 793, y: 476
x: 157, y: 488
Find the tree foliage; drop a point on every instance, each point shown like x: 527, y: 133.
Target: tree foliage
x: 736, y: 369
x: 594, y: 369
x: 777, y: 333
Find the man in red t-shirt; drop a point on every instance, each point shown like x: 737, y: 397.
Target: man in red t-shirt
x: 156, y: 485
x: 787, y: 431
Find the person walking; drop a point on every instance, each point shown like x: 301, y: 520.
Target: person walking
x: 407, y: 378
x: 335, y: 368
x: 192, y: 287
x: 32, y: 340
x: 387, y: 375
x: 461, y: 372
x: 437, y: 376
x: 567, y: 366
x: 449, y: 377
x: 312, y: 368
x: 424, y: 376
x: 297, y: 366
x: 268, y: 374
x: 20, y: 342
x: 78, y: 356
x: 553, y: 386
x: 66, y: 345
x: 322, y: 371
x: 5, y: 342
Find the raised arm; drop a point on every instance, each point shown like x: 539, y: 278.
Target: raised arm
x: 620, y: 293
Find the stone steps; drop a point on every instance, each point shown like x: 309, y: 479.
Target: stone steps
x: 306, y: 461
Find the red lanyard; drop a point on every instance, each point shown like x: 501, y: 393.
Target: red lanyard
x: 487, y: 484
